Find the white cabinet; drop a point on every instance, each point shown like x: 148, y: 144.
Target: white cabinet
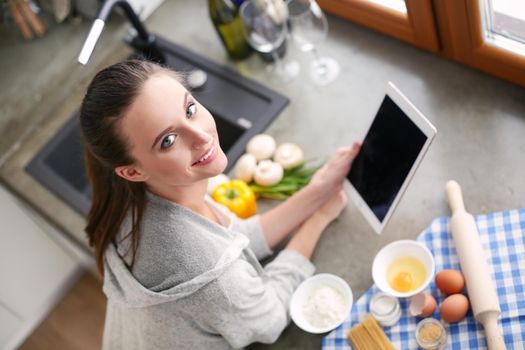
x: 9, y: 324
x: 35, y: 271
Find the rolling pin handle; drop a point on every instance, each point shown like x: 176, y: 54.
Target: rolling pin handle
x: 455, y: 198
x: 493, y: 333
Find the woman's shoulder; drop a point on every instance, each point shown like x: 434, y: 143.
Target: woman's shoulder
x: 171, y: 248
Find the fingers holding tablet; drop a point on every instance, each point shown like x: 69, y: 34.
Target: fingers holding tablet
x: 333, y: 173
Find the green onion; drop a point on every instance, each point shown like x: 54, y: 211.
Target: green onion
x: 293, y: 180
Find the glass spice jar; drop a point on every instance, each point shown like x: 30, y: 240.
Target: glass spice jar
x: 431, y: 335
x: 385, y: 309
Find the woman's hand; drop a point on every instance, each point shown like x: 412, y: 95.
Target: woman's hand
x: 283, y: 219
x: 329, y: 179
x: 333, y: 206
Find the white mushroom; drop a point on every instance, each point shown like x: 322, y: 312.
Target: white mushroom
x: 214, y: 182
x: 268, y: 173
x: 262, y: 146
x: 245, y: 167
x: 288, y: 155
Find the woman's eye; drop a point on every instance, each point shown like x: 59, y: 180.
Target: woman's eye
x: 168, y: 141
x: 191, y: 110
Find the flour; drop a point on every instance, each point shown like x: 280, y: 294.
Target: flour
x: 324, y: 307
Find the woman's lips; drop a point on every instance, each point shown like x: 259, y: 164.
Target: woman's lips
x: 207, y: 157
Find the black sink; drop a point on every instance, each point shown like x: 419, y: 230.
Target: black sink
x: 241, y: 108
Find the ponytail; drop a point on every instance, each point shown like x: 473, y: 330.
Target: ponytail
x: 113, y: 197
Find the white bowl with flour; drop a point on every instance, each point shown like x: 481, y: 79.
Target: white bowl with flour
x: 321, y: 303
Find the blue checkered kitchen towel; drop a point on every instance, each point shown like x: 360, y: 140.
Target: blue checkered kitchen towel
x: 503, y: 238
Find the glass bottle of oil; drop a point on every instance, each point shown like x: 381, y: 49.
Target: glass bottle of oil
x: 226, y: 20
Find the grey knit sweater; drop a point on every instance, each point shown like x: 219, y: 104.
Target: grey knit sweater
x: 196, y: 284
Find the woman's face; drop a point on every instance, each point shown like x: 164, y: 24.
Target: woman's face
x: 172, y: 137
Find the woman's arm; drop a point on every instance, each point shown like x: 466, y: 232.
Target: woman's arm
x: 243, y: 307
x: 280, y: 221
x: 306, y: 238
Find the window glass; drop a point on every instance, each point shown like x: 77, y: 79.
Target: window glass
x: 504, y: 23
x: 397, y: 5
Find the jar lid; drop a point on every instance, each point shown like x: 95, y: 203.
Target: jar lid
x: 382, y: 304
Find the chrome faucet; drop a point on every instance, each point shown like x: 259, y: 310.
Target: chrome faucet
x: 141, y: 40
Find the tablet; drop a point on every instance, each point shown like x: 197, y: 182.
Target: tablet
x: 392, y: 149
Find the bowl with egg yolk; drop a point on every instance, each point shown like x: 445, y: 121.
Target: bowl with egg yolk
x: 403, y: 268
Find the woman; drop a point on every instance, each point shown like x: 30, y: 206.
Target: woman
x: 181, y: 272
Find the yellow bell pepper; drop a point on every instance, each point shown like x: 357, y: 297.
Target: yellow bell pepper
x: 237, y: 196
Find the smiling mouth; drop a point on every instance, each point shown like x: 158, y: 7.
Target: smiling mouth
x: 205, y: 156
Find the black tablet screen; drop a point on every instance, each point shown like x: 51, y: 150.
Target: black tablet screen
x: 387, y: 154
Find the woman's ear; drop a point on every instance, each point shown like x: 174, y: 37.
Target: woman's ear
x: 131, y: 173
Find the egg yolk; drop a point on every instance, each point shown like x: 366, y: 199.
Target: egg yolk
x: 402, y: 282
x: 406, y: 274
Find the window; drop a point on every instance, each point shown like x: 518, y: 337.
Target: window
x: 504, y: 24
x: 408, y: 20
x: 485, y: 34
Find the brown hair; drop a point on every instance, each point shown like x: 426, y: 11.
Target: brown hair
x: 108, y: 97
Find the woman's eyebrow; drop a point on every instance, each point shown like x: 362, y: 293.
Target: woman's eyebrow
x: 159, y: 136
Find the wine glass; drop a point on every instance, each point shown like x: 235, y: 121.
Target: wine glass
x: 308, y: 28
x: 265, y: 28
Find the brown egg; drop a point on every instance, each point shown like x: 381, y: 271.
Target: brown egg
x: 454, y: 308
x: 450, y: 281
x: 422, y: 305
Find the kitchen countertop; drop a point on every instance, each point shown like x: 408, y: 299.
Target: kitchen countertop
x: 480, y: 122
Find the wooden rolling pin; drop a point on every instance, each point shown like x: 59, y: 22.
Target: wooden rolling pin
x: 480, y: 287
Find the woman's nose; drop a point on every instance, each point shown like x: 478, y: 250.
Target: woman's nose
x: 199, y: 138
